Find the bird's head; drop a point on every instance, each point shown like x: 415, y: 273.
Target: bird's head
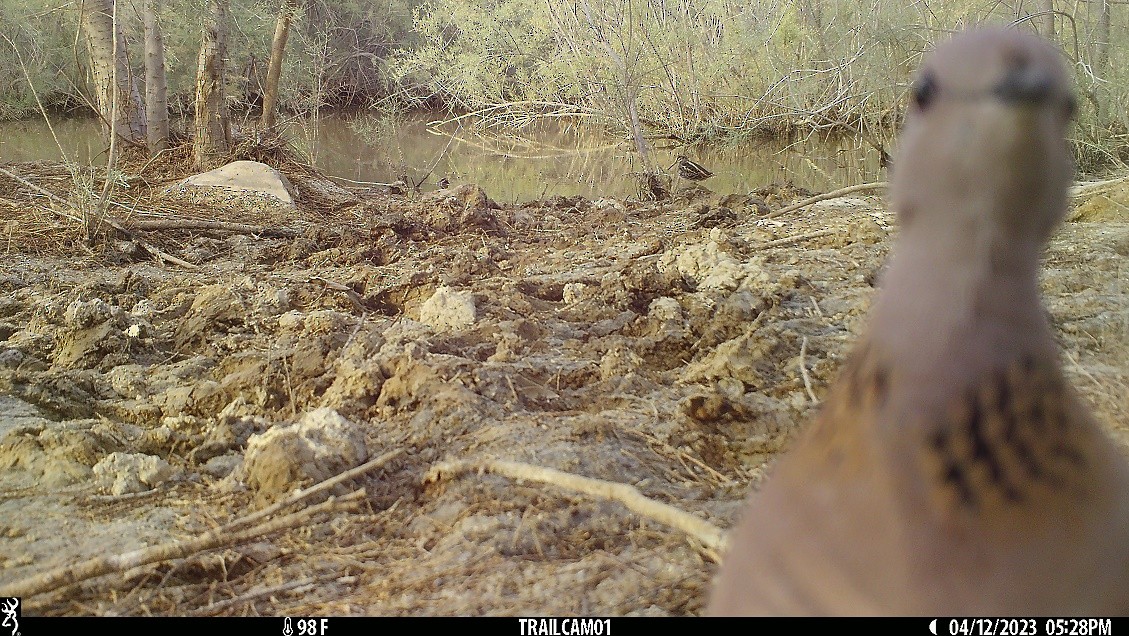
x: 984, y: 138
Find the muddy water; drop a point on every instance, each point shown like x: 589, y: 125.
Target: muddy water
x: 33, y: 140
x: 512, y: 166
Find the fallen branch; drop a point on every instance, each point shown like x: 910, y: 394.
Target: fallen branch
x: 333, y: 177
x: 218, y: 538
x: 193, y: 224
x: 709, y: 535
x: 1077, y: 191
x: 130, y: 496
x: 834, y: 194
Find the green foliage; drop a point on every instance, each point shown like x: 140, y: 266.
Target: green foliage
x: 479, y: 52
x: 41, y: 39
x: 692, y: 68
x: 788, y: 33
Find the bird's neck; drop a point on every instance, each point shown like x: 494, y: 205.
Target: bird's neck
x: 953, y: 303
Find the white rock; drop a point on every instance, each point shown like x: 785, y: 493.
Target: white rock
x: 124, y: 473
x: 291, y: 320
x: 244, y: 176
x: 288, y: 456
x: 708, y: 265
x: 448, y: 310
x: 605, y: 204
x: 574, y: 292
x: 664, y: 309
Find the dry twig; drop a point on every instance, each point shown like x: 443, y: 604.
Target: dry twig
x: 709, y: 535
x: 804, y: 370
x: 788, y: 240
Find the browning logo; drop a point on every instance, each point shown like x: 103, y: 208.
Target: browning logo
x: 10, y: 609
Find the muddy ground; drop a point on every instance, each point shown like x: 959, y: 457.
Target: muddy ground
x: 651, y: 344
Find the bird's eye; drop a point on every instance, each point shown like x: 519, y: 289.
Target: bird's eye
x: 924, y: 91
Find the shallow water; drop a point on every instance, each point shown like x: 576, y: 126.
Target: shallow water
x: 545, y: 160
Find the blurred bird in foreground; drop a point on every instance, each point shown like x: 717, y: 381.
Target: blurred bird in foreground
x: 953, y: 470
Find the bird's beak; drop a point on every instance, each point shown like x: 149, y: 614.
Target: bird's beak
x: 1024, y: 84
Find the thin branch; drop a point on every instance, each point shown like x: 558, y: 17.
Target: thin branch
x: 710, y: 536
x: 877, y: 185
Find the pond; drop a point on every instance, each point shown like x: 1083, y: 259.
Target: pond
x: 537, y: 161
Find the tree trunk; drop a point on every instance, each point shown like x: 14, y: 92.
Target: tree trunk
x: 274, y: 69
x: 213, y: 127
x: 1045, y: 22
x: 156, y: 88
x: 1099, y: 51
x: 115, y: 88
x: 1101, y: 39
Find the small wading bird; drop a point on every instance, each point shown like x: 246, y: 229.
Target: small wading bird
x: 690, y: 169
x: 952, y: 470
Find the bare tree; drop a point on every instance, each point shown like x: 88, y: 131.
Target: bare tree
x: 213, y: 123
x: 274, y: 69
x: 156, y: 87
x: 115, y: 88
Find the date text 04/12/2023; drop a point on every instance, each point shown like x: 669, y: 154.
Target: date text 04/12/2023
x: 565, y: 626
x: 1030, y: 627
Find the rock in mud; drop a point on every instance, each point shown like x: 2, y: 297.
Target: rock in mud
x: 708, y: 266
x: 289, y: 456
x: 240, y: 177
x: 448, y: 310
x: 125, y: 473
